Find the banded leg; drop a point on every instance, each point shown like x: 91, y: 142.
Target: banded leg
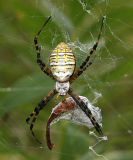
x: 37, y: 109
x: 81, y: 68
x: 90, y: 63
x: 43, y: 67
x: 85, y: 109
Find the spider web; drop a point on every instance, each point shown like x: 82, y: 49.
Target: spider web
x: 81, y: 50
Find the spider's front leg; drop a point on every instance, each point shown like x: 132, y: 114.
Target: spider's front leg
x: 85, y: 109
x: 37, y: 109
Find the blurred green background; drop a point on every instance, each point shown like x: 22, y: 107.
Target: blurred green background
x: 23, y: 85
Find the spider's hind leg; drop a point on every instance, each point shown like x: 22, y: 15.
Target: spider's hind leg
x: 85, y: 64
x: 42, y: 65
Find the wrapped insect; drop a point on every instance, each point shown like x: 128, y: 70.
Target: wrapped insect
x: 69, y: 110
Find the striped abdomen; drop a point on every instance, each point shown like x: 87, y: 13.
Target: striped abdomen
x: 62, y: 62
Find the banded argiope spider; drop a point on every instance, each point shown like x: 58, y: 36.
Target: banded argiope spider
x: 62, y: 66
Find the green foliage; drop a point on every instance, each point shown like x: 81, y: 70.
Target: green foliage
x: 23, y: 85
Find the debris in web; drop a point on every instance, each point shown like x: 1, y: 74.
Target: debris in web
x: 69, y: 110
x: 104, y: 138
x: 84, y: 7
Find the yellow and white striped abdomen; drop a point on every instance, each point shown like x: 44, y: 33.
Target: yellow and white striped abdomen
x: 62, y: 62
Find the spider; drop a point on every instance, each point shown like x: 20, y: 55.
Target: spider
x: 62, y: 67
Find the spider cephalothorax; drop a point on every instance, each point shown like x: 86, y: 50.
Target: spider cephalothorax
x: 62, y: 87
x: 62, y: 62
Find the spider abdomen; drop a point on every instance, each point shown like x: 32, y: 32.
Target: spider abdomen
x: 62, y: 62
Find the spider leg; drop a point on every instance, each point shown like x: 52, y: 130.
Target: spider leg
x: 42, y: 65
x: 90, y: 63
x: 84, y: 65
x: 37, y: 109
x: 85, y: 109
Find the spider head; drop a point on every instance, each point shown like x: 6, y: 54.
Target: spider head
x: 62, y: 87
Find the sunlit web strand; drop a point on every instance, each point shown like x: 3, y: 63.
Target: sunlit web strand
x: 104, y: 138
